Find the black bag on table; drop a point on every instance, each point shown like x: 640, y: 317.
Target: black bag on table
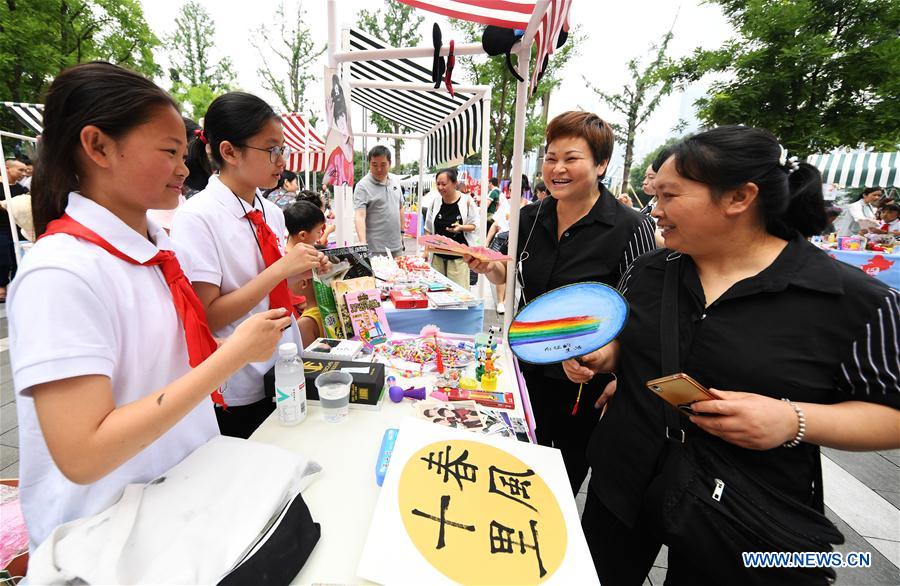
x: 705, y: 506
x: 284, y: 551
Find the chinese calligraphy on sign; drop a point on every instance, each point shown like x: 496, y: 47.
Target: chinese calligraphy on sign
x: 480, y: 515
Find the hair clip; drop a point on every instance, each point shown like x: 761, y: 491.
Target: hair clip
x: 789, y: 165
x: 792, y: 165
x: 201, y: 135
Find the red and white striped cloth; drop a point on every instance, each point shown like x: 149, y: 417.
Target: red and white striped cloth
x: 295, y: 132
x: 554, y: 21
x: 503, y: 13
x: 512, y: 14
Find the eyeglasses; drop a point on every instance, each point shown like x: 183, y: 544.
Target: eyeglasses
x: 275, y: 153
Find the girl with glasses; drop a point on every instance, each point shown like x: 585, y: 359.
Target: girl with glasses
x: 237, y: 238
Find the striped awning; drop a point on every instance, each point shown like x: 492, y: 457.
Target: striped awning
x: 295, y: 135
x: 858, y: 168
x: 32, y: 115
x: 511, y: 14
x: 417, y: 110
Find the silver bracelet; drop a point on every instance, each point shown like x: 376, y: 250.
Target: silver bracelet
x: 801, y: 425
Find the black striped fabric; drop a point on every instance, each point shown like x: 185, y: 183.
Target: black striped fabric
x: 858, y: 169
x: 643, y: 240
x: 873, y: 367
x: 415, y: 110
x: 32, y: 115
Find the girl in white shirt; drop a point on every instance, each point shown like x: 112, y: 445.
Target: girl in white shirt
x: 104, y: 327
x: 236, y: 241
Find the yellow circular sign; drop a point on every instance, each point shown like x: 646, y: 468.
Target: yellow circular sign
x: 480, y: 515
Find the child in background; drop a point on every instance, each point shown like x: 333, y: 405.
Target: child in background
x: 890, y: 219
x: 315, y: 199
x: 236, y: 239
x: 104, y: 326
x: 305, y: 225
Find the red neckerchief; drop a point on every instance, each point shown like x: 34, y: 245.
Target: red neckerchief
x: 200, y: 341
x: 280, y: 296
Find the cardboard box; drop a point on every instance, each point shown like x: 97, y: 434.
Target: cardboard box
x: 367, y: 389
x: 409, y: 300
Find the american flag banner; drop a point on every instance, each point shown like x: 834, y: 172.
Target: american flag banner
x: 512, y: 14
x: 295, y: 135
x: 554, y: 21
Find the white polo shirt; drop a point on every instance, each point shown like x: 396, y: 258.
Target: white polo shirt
x: 213, y: 228
x: 75, y: 309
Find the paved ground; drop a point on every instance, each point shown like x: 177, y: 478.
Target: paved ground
x: 862, y: 490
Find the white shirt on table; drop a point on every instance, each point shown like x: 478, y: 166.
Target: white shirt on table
x: 213, y: 228
x: 74, y: 310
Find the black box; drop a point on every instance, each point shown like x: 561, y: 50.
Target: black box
x: 365, y: 392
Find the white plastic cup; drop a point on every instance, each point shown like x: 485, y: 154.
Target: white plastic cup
x: 334, y: 394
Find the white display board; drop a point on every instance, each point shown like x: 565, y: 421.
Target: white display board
x: 459, y: 507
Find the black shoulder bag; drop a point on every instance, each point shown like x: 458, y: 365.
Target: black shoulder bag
x: 709, y: 510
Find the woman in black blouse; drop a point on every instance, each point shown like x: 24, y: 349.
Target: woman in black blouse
x: 766, y: 320
x: 578, y: 233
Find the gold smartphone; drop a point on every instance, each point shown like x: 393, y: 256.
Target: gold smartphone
x: 681, y: 391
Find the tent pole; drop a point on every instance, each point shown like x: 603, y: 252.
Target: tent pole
x: 421, y: 171
x: 421, y: 221
x: 332, y: 34
x: 8, y: 195
x: 485, y: 185
x: 365, y: 131
x: 485, y: 161
x: 391, y: 135
x: 306, y: 157
x: 515, y: 200
x: 411, y: 85
x: 406, y: 52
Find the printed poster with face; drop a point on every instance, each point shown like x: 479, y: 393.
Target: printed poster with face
x: 339, y: 140
x: 464, y: 508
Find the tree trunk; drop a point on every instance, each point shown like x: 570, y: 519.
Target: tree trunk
x: 545, y: 113
x: 633, y: 117
x: 626, y: 168
x: 397, y: 150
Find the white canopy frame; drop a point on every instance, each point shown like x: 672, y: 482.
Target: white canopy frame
x: 479, y: 93
x: 8, y: 194
x: 523, y: 54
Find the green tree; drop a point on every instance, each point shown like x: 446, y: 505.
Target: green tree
x: 38, y: 38
x: 819, y: 74
x: 494, y: 72
x: 197, y: 77
x: 296, y: 56
x: 638, y: 100
x: 398, y: 26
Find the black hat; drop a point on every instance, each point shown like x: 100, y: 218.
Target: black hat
x: 437, y: 67
x: 498, y: 41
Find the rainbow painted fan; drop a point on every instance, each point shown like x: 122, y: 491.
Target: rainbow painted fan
x: 567, y: 322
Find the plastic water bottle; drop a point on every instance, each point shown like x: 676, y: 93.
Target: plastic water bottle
x: 290, y: 386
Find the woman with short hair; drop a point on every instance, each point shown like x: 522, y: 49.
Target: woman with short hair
x: 578, y: 233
